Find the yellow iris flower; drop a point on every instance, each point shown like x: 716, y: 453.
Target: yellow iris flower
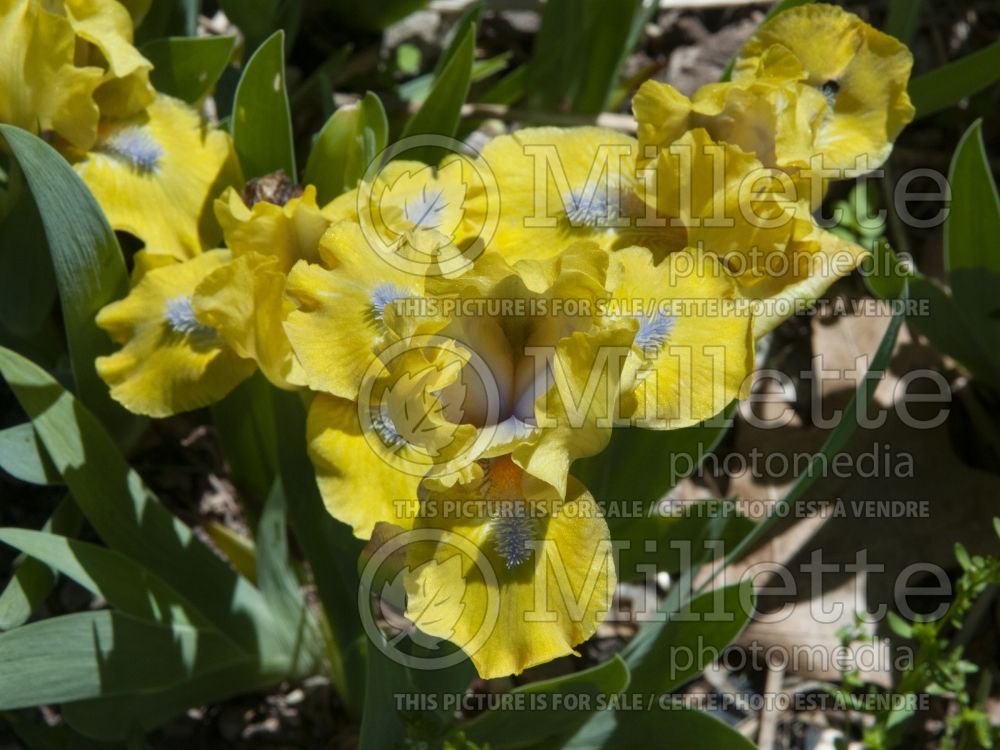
x: 484, y: 388
x: 862, y: 73
x: 815, y: 81
x: 484, y: 364
x: 69, y: 71
x: 66, y: 63
x: 723, y: 200
x: 769, y: 114
x: 171, y: 359
x: 691, y: 192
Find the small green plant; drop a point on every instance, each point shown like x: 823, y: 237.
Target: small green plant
x: 938, y: 668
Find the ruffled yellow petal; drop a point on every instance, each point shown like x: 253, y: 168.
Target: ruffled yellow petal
x: 244, y: 301
x: 137, y: 9
x: 290, y: 233
x: 428, y: 220
x: 170, y: 361
x: 663, y: 115
x: 814, y: 265
x: 41, y: 88
x: 340, y: 322
x: 540, y: 582
x: 577, y: 402
x: 560, y: 185
x: 107, y: 25
x: 155, y: 176
x: 580, y: 270
x: 693, y: 351
x: 862, y: 73
x: 770, y: 115
x: 728, y: 203
x: 413, y: 398
x: 361, y: 475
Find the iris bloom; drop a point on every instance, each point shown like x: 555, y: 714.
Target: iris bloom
x: 815, y: 81
x: 439, y: 386
x: 171, y: 359
x: 692, y: 192
x: 862, y: 74
x: 71, y: 73
x: 67, y: 62
x: 481, y: 390
x: 724, y: 201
